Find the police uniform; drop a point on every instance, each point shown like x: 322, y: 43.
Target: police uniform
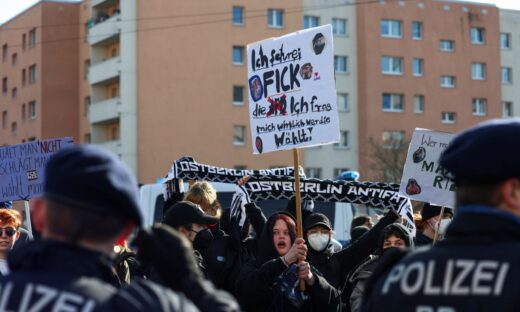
x: 477, y: 266
x: 61, y: 275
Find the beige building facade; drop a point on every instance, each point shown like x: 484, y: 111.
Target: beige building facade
x: 510, y: 62
x: 39, y: 73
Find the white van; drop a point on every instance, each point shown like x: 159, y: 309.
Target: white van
x: 340, y: 214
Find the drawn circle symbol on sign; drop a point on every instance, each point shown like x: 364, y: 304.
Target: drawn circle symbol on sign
x: 318, y: 43
x: 259, y: 144
x: 419, y: 155
x: 413, y: 188
x: 256, y: 89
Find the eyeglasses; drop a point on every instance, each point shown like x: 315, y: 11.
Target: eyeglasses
x: 7, y: 231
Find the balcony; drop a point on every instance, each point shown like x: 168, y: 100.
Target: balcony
x: 105, y: 30
x: 104, y: 110
x: 113, y: 146
x: 104, y: 71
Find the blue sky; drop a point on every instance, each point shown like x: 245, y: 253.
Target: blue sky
x: 10, y: 8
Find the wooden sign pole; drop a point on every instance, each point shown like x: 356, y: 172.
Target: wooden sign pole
x: 299, y: 222
x: 435, y: 238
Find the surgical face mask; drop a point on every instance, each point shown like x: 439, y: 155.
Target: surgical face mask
x: 203, y: 239
x: 444, y: 226
x: 319, y: 241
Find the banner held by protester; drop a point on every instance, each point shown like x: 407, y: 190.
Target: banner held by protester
x: 22, y: 167
x: 292, y: 91
x: 423, y: 178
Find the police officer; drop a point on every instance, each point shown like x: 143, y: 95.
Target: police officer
x: 89, y: 202
x: 476, y: 268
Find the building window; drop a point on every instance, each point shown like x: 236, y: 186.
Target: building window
x: 478, y: 71
x: 342, y: 101
x: 392, y: 102
x: 4, y: 119
x: 311, y: 21
x: 24, y: 78
x: 5, y: 51
x: 447, y: 45
x: 343, y: 140
x: 391, y: 65
x: 507, y: 109
x: 238, y: 55
x: 87, y: 103
x: 86, y: 67
x: 5, y: 87
x: 340, y: 64
x: 14, y: 93
x: 391, y: 28
x: 275, y: 18
x: 477, y: 35
x: 417, y: 30
x: 339, y: 26
x: 113, y: 132
x: 313, y: 172
x: 448, y: 117
x: 418, y: 104
x: 14, y: 126
x: 507, y: 75
x: 14, y: 59
x: 24, y: 42
x: 32, y: 74
x: 479, y: 107
x: 238, y: 95
x: 505, y: 41
x: 23, y: 111
x: 239, y: 135
x: 448, y: 81
x: 238, y: 15
x: 32, y: 109
x: 393, y: 139
x: 87, y: 139
x: 417, y: 65
x: 32, y: 38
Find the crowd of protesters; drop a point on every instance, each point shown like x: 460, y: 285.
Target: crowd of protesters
x: 92, y: 253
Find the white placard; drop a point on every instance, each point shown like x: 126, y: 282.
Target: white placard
x: 423, y: 179
x: 292, y: 91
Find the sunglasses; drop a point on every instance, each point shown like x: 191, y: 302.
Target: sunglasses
x: 7, y: 231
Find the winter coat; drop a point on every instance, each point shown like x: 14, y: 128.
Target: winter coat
x: 257, y: 282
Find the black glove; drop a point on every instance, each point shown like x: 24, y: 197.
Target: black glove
x: 170, y: 254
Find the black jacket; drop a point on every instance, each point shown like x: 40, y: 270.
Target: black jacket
x: 48, y: 275
x: 256, y: 284
x: 422, y: 240
x: 335, y: 267
x: 475, y: 268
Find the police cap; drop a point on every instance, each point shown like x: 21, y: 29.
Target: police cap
x: 89, y: 177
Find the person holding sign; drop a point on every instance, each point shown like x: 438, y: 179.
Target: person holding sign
x: 10, y: 221
x: 430, y: 215
x: 271, y: 282
x: 476, y: 268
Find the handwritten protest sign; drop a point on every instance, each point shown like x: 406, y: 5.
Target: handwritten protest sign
x: 423, y: 178
x: 21, y: 167
x: 292, y: 92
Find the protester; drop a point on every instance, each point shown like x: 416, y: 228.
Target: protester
x: 476, y: 267
x: 335, y: 267
x: 271, y: 282
x: 89, y: 202
x: 362, y: 220
x: 357, y: 232
x: 429, y: 219
x: 393, y: 236
x: 10, y: 221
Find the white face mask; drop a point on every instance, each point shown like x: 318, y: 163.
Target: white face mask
x: 444, y: 226
x: 318, y: 241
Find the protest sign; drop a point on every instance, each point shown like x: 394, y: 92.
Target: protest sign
x: 423, y: 178
x: 292, y: 92
x: 22, y: 167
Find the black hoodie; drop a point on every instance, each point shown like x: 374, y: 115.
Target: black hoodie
x: 256, y: 283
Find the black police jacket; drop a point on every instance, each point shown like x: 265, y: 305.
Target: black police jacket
x: 56, y: 276
x: 476, y: 268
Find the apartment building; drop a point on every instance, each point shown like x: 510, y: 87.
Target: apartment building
x: 329, y: 160
x: 39, y: 73
x: 429, y: 64
x: 510, y: 62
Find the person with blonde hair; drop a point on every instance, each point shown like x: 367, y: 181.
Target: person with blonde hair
x: 203, y: 194
x: 10, y: 221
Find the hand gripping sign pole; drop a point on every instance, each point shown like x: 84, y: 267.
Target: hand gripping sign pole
x: 299, y: 223
x: 438, y: 225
